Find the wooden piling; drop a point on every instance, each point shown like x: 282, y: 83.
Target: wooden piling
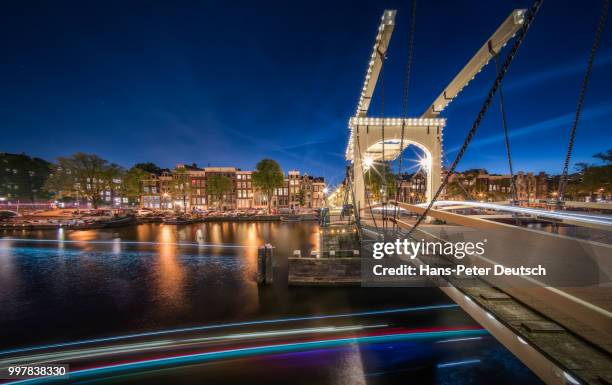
x: 261, y: 264
x: 269, y: 269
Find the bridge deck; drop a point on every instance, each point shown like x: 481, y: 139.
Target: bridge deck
x: 571, y: 327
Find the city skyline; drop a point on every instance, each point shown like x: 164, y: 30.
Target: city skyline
x: 167, y: 92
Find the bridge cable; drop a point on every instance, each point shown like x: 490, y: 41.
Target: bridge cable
x: 520, y: 36
x: 383, y: 184
x: 513, y: 192
x: 356, y: 214
x: 363, y: 175
x: 345, y: 200
x: 407, y: 73
x: 583, y: 88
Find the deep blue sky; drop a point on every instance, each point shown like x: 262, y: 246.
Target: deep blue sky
x: 228, y: 83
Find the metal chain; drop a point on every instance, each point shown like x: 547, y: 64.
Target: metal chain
x: 363, y: 172
x: 502, y: 108
x: 407, y: 79
x: 405, y: 104
x: 383, y: 184
x: 500, y: 76
x: 355, y: 213
x: 581, y: 96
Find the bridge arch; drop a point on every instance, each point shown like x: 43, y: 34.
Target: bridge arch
x: 366, y: 146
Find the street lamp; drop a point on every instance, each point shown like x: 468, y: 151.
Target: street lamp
x: 425, y: 163
x: 166, y: 199
x: 368, y: 162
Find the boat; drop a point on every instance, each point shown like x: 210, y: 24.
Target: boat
x: 178, y: 220
x: 85, y: 225
x: 120, y: 221
x: 291, y: 218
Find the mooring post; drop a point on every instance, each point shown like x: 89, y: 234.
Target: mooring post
x: 269, y: 269
x: 261, y: 264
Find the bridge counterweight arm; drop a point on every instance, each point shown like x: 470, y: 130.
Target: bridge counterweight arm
x: 381, y: 44
x: 491, y: 47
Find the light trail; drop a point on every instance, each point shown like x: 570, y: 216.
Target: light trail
x: 141, y: 347
x: 592, y: 219
x: 458, y: 363
x: 256, y: 350
x: 459, y: 340
x: 231, y: 324
x: 146, y: 243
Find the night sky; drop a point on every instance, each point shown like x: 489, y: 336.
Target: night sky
x: 227, y: 83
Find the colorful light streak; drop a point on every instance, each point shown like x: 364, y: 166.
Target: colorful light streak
x: 230, y: 324
x: 146, y: 346
x: 459, y: 340
x: 458, y: 363
x: 256, y: 350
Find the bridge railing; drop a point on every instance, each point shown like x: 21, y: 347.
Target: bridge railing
x: 578, y: 271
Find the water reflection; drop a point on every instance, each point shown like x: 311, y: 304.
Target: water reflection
x: 169, y: 272
x: 97, y: 277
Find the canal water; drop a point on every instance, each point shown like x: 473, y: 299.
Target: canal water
x: 65, y: 285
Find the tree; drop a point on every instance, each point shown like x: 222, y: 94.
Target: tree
x: 149, y: 167
x: 267, y: 177
x: 591, y: 179
x: 83, y: 175
x: 301, y: 197
x: 374, y: 178
x: 597, y: 179
x: 22, y: 177
x: 132, y: 182
x: 605, y: 157
x: 581, y: 166
x: 217, y: 186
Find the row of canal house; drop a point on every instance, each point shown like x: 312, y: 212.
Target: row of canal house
x: 480, y: 185
x: 186, y: 186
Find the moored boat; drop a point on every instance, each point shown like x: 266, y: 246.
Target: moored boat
x: 290, y: 218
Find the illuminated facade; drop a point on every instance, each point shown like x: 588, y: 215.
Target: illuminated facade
x: 170, y: 191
